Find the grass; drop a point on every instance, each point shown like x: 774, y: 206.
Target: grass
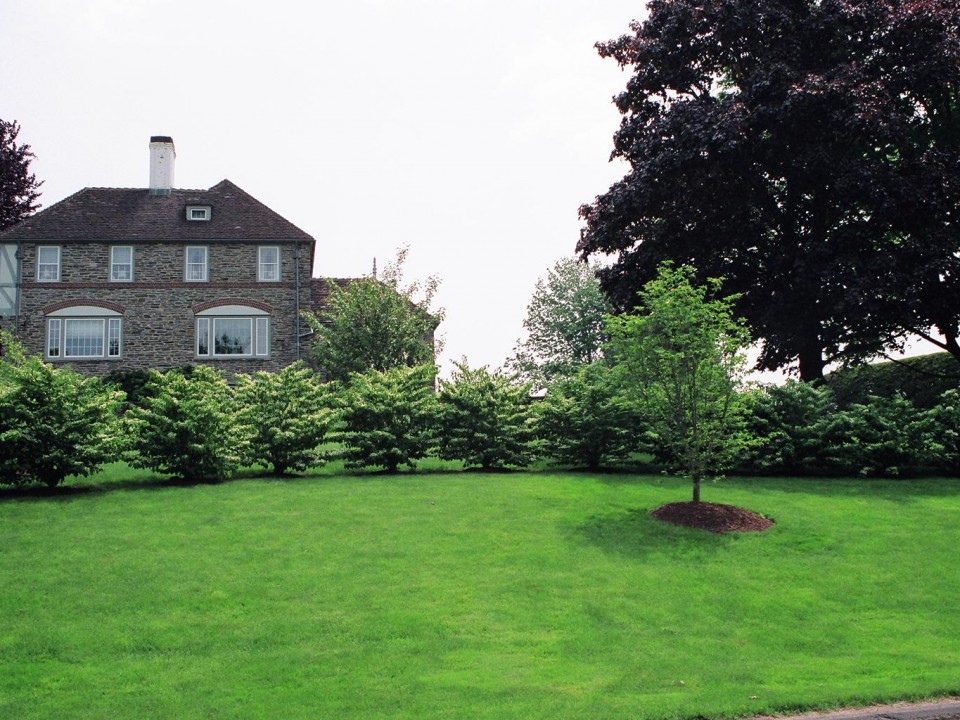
x: 465, y: 595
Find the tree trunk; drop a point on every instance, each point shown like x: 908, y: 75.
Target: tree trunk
x: 811, y: 362
x: 953, y: 348
x: 696, y: 487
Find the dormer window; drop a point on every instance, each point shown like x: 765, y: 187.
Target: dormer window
x: 198, y: 213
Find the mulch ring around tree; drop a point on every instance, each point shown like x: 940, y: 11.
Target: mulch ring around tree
x: 713, y: 517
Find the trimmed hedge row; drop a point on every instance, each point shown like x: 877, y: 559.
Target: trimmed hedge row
x: 922, y: 380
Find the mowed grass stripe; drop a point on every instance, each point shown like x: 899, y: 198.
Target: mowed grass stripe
x: 474, y: 596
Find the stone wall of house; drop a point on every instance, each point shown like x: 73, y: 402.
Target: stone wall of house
x: 158, y: 307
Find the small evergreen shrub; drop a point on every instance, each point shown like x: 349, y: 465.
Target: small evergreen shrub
x: 133, y: 383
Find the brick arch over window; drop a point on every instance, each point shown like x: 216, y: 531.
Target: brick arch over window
x: 82, y: 329
x: 232, y: 329
x: 211, y: 304
x: 82, y: 302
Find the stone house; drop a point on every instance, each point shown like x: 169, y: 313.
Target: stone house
x: 125, y: 279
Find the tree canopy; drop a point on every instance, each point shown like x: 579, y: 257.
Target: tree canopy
x: 808, y: 153
x: 564, y: 323
x: 19, y: 188
x: 376, y: 324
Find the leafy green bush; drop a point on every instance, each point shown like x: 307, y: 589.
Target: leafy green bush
x: 133, y: 383
x: 946, y: 433
x: 883, y: 437
x: 186, y: 426
x: 386, y: 419
x: 53, y: 421
x: 286, y: 417
x: 585, y: 420
x: 788, y: 423
x: 485, y: 419
x: 798, y: 430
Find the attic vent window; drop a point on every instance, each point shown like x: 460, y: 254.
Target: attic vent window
x: 198, y: 212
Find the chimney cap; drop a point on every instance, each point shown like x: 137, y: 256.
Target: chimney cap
x: 161, y: 139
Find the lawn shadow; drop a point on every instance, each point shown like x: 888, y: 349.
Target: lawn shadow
x: 42, y: 492
x: 890, y: 489
x: 636, y: 534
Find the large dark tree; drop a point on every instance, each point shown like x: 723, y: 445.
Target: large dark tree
x: 19, y: 188
x: 806, y: 152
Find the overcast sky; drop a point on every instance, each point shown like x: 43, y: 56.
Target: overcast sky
x: 470, y: 131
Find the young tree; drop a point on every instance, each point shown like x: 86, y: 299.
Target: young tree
x: 286, y: 417
x: 386, y: 418
x: 808, y: 153
x: 681, y: 356
x: 585, y: 420
x: 376, y: 324
x: 564, y: 323
x: 19, y: 188
x: 186, y: 426
x: 485, y: 418
x: 53, y: 422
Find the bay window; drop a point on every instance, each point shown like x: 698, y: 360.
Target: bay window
x: 73, y: 335
x: 235, y: 331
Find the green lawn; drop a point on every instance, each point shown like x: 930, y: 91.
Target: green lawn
x: 465, y: 595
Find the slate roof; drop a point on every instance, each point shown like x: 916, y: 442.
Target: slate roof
x: 320, y: 291
x: 97, y: 214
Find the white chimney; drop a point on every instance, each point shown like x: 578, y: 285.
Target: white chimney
x: 162, y: 156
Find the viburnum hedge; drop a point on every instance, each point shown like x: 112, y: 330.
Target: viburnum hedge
x: 286, y: 416
x: 53, y: 422
x: 799, y: 430
x: 187, y: 426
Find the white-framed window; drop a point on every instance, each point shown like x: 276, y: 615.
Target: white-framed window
x: 121, y: 263
x: 54, y: 337
x: 48, y: 263
x: 268, y: 263
x: 234, y: 331
x: 197, y: 213
x: 78, y: 333
x: 196, y: 264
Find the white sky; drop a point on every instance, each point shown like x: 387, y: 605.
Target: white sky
x: 471, y: 131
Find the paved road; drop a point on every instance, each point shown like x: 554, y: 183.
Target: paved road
x: 941, y: 710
